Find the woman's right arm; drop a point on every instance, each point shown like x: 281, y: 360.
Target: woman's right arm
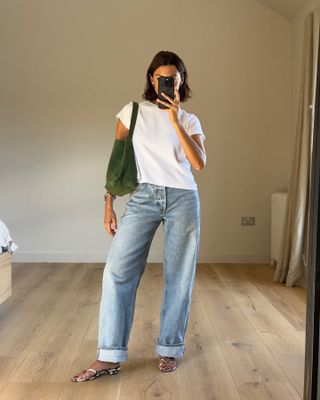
x: 110, y: 218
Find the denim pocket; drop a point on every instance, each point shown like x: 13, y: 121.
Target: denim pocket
x: 139, y: 187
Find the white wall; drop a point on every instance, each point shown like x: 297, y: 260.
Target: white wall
x: 67, y: 69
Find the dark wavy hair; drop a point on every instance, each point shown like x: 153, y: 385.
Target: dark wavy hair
x: 167, y: 58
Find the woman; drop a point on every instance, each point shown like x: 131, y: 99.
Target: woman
x: 166, y: 143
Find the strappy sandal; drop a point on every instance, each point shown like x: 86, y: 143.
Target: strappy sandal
x: 106, y: 371
x: 167, y: 364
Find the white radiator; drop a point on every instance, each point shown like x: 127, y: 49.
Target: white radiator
x: 278, y: 209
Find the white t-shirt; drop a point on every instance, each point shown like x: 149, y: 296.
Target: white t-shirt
x: 159, y: 155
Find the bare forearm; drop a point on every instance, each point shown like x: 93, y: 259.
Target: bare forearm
x: 109, y: 202
x: 193, y: 152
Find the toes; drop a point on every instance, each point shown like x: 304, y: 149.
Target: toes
x: 79, y: 377
x: 167, y: 364
x: 75, y: 378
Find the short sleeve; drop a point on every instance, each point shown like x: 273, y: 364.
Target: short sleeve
x: 194, y: 126
x: 125, y: 114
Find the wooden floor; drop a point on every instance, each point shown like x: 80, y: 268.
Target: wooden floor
x: 245, y: 337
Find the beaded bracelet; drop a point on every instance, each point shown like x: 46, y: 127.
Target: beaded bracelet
x: 109, y: 194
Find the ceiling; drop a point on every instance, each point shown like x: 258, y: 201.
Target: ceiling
x: 286, y: 8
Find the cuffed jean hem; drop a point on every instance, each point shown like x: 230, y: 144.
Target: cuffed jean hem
x: 170, y: 350
x: 112, y: 355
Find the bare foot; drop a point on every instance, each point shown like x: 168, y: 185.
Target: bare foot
x: 97, y: 365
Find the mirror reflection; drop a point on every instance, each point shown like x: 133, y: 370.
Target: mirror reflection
x: 154, y: 202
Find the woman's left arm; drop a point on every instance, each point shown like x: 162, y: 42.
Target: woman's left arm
x: 193, y: 146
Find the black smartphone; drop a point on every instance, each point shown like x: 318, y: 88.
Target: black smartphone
x: 165, y: 85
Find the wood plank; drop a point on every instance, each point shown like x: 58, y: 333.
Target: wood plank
x: 251, y: 364
x: 282, y: 340
x: 5, y: 276
x: 243, y: 341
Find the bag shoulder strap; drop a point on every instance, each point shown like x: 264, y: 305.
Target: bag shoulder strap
x: 135, y: 108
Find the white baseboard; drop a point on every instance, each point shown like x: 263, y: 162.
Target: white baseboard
x: 60, y: 257
x: 155, y: 258
x: 235, y: 258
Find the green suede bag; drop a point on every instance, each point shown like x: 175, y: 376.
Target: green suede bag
x: 121, y: 177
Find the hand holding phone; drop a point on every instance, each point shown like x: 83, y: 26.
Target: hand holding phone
x: 165, y: 85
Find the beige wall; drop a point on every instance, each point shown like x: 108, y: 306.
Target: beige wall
x: 67, y: 69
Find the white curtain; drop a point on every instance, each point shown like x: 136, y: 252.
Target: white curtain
x: 291, y: 265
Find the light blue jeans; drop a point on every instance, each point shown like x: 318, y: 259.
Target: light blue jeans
x: 148, y: 206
